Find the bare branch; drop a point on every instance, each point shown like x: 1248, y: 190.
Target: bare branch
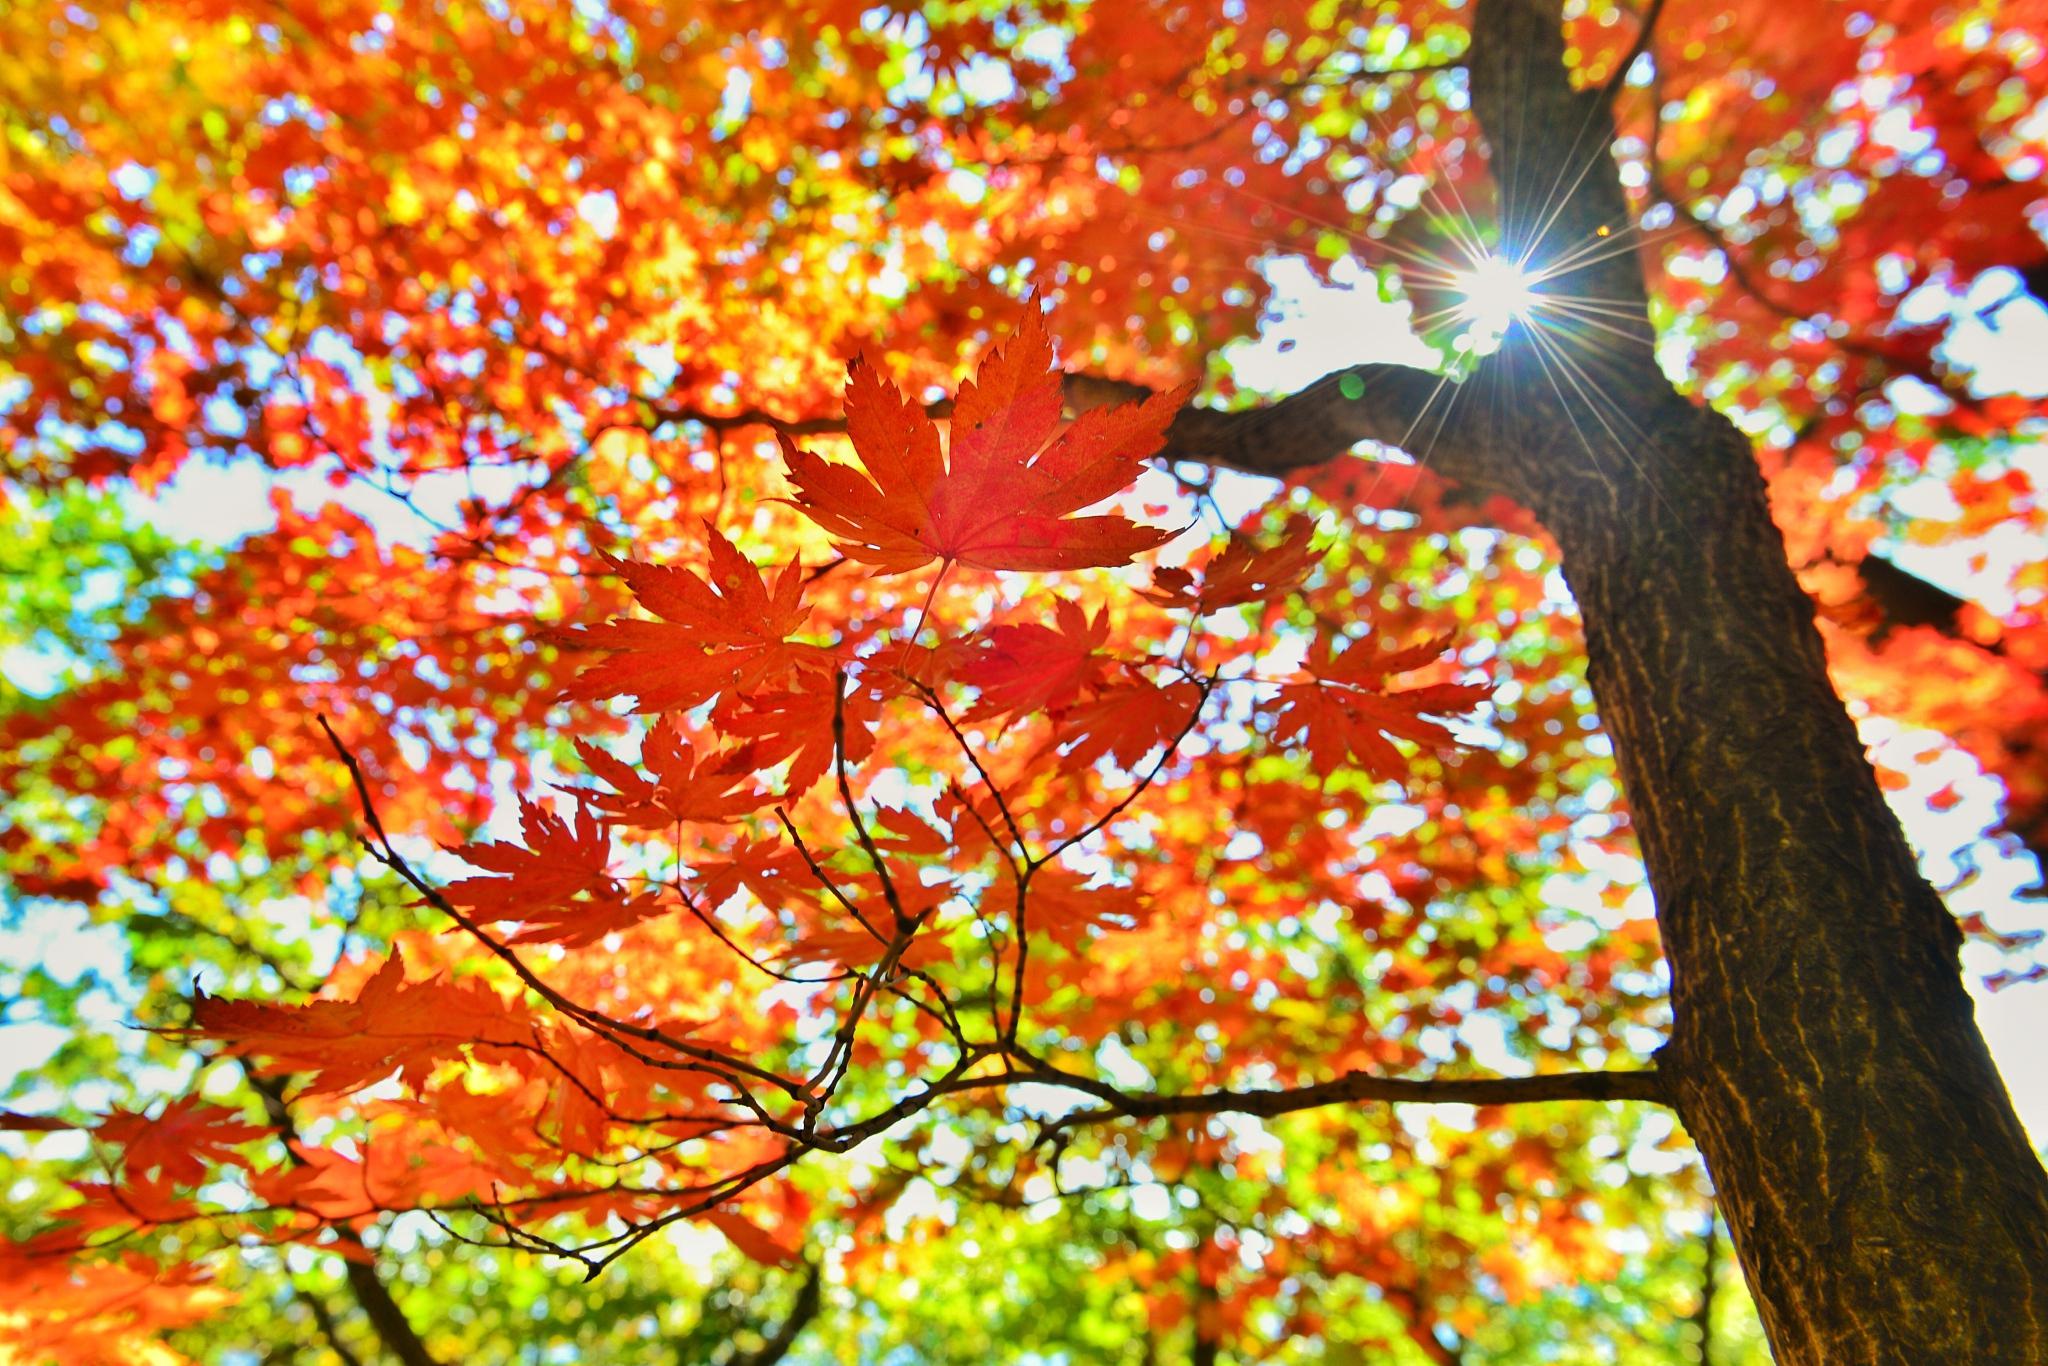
x: 809, y: 1295
x: 1353, y: 1087
x: 1394, y: 405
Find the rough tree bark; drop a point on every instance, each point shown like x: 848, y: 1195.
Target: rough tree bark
x: 1879, y: 1191
x: 1882, y: 1198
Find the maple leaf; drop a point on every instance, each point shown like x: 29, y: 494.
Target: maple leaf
x: 185, y: 1137
x: 1032, y: 667
x: 846, y: 188
x: 918, y: 897
x: 1001, y: 497
x: 1062, y: 906
x: 770, y: 1249
x: 1346, y: 713
x: 855, y: 947
x: 775, y: 874
x: 1125, y: 723
x: 558, y: 886
x: 710, y: 637
x: 560, y: 859
x: 128, y: 1204
x: 797, y: 725
x: 574, y: 924
x: 321, y: 1182
x: 345, y: 1045
x: 97, y: 1313
x: 716, y: 788
x: 903, y: 831
x: 1242, y: 571
x: 386, y: 1172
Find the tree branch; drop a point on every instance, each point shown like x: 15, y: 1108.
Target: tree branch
x: 809, y: 1296
x: 1703, y: 1312
x: 1395, y: 405
x: 1905, y: 599
x: 1321, y: 423
x: 323, y: 1318
x: 385, y: 1314
x: 1355, y: 1087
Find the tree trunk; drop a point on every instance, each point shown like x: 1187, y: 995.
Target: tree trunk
x: 1879, y: 1191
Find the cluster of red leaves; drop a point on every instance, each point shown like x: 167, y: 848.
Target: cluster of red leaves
x: 656, y: 1022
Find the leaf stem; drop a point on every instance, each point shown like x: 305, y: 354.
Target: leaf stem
x: 923, y: 613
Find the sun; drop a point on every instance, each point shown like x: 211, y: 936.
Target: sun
x: 1498, y: 293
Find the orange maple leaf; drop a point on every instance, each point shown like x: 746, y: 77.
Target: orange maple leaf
x: 391, y: 1025
x: 782, y: 1248
x: 1346, y: 712
x: 855, y: 947
x: 128, y: 1204
x: 185, y: 1137
x: 96, y: 1313
x: 681, y: 785
x: 731, y: 632
x: 1032, y: 667
x: 322, y: 1183
x: 1002, y: 497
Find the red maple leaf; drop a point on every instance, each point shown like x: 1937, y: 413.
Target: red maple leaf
x: 1002, y: 498
x: 1242, y: 571
x: 1062, y: 906
x: 1126, y: 722
x: 774, y: 873
x: 728, y: 633
x: 1032, y: 667
x: 560, y: 859
x: 345, y: 1045
x: 904, y: 831
x: 798, y: 726
x: 558, y: 886
x: 1346, y: 713
x: 183, y: 1139
x: 680, y: 785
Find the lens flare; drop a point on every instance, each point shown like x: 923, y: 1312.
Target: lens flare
x: 1498, y: 293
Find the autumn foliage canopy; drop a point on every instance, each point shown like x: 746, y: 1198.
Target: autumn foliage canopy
x: 749, y: 746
